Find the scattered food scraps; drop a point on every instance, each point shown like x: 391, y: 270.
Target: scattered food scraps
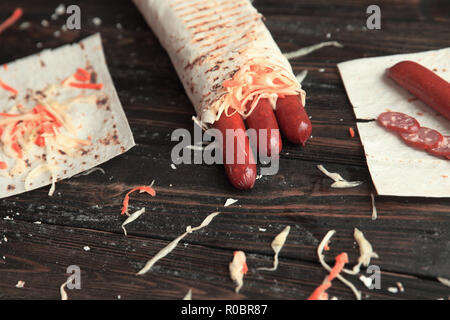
x: 392, y: 289
x: 229, y: 202
x: 374, y: 209
x: 188, y: 295
x: 238, y: 268
x: 400, y: 286
x: 62, y: 291
x: 88, y: 172
x: 301, y: 76
x: 17, y: 14
x: 20, y: 284
x: 366, y: 280
x: 320, y: 292
x: 141, y: 189
x: 352, y: 132
x: 131, y: 218
x: 86, y: 248
x: 307, y: 50
x: 444, y: 281
x: 277, y: 245
x: 339, y: 182
x: 320, y: 249
x: 365, y: 252
x: 171, y: 246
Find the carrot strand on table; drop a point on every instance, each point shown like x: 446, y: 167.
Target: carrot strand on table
x: 17, y: 14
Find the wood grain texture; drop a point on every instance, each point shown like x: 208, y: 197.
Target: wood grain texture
x: 411, y: 235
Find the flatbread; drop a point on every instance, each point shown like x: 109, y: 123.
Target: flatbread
x: 96, y: 115
x: 210, y: 42
x: 396, y: 168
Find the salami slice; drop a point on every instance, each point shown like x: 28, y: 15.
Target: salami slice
x: 398, y: 122
x: 443, y: 150
x: 424, y: 138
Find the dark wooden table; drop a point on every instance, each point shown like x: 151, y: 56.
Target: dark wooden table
x: 411, y: 235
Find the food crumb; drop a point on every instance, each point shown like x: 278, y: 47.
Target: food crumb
x: 45, y: 23
x: 328, y: 36
x: 39, y: 45
x: 97, y: 21
x: 173, y: 166
x: 57, y: 33
x: 119, y: 26
x: 86, y: 248
x: 60, y: 10
x: 392, y: 290
x: 24, y: 25
x: 20, y: 284
x: 366, y: 280
x: 229, y: 202
x: 400, y: 287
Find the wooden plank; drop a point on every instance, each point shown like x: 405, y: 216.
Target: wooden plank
x: 40, y: 254
x: 411, y: 235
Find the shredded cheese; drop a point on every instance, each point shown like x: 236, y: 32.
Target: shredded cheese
x: 277, y: 245
x: 171, y: 246
x: 445, y: 282
x: 188, y: 295
x: 229, y: 202
x: 307, y: 50
x: 47, y: 126
x: 255, y: 80
x: 238, y: 268
x: 63, y: 291
x: 365, y: 252
x: 374, y: 209
x: 131, y: 218
x: 320, y: 249
x: 339, y: 182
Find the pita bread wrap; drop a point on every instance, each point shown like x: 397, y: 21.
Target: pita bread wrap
x: 223, y: 54
x: 396, y: 168
x: 60, y: 115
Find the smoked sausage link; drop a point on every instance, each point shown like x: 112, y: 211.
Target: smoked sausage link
x: 293, y: 119
x: 263, y: 118
x: 424, y: 84
x: 241, y: 176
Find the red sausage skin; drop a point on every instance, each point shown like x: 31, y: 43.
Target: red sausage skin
x: 263, y: 117
x: 241, y: 176
x: 424, y: 84
x: 293, y: 119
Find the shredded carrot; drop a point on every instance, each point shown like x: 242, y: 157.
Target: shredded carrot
x: 15, y: 146
x: 94, y: 86
x: 255, y: 80
x: 11, y: 20
x: 245, y: 268
x: 320, y: 292
x: 8, y: 88
x: 82, y: 75
x: 141, y: 189
x: 3, y: 165
x: 326, y: 247
x: 352, y: 132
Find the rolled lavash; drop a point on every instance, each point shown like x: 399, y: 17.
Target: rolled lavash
x: 209, y: 41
